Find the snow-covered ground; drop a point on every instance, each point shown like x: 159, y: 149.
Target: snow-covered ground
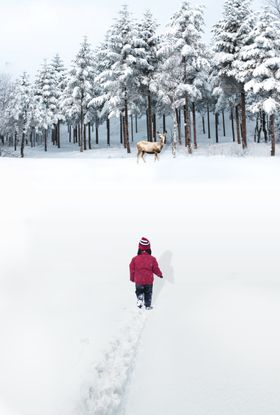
x: 72, y: 340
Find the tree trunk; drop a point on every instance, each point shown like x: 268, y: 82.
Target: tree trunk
x: 175, y: 127
x: 259, y: 127
x: 187, y: 125
x: 149, y: 119
x: 203, y: 124
x: 81, y: 132
x: 46, y: 139
x: 237, y: 124
x: 154, y: 127
x: 89, y: 137
x: 147, y: 124
x: 53, y: 132
x: 121, y: 128
x: 208, y: 122
x: 124, y: 132
x: 243, y: 116
x: 108, y: 131
x: 70, y: 132
x: 224, y: 124
x: 163, y: 123
x: 136, y: 124
x: 58, y: 134
x: 264, y: 126
x: 131, y: 126
x: 272, y: 126
x: 194, y: 125
x: 256, y: 128
x: 22, y: 145
x: 96, y: 131
x: 126, y: 126
x: 217, y: 126
x: 31, y: 138
x: 178, y: 126
x: 232, y: 126
x: 85, y: 137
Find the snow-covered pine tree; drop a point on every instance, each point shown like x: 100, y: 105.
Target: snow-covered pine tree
x: 79, y: 89
x: 264, y: 58
x: 223, y: 100
x: 200, y: 82
x: 184, y: 51
x: 40, y: 116
x: 231, y: 33
x: 217, y: 97
x: 20, y: 107
x: 69, y: 110
x: 163, y: 86
x: 46, y: 96
x: 147, y: 65
x: 6, y: 94
x: 59, y: 73
x: 166, y: 82
x: 119, y: 81
x: 206, y: 103
x: 98, y: 111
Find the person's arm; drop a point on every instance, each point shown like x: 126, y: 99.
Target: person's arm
x: 156, y: 269
x: 132, y: 270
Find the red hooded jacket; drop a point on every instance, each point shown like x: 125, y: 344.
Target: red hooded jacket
x: 142, y: 268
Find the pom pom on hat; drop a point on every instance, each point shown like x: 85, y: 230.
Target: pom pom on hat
x: 144, y: 244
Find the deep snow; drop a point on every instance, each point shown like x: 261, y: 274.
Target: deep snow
x: 72, y: 341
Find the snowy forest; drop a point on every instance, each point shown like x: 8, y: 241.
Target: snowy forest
x: 137, y: 73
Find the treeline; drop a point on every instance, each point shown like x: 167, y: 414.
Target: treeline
x: 137, y: 72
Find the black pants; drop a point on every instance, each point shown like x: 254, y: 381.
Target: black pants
x: 144, y: 292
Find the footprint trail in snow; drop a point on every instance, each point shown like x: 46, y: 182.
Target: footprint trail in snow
x: 106, y: 393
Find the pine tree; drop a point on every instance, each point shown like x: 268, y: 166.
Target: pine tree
x: 59, y: 74
x: 183, y: 57
x: 20, y: 107
x: 147, y: 65
x: 46, y: 97
x: 98, y: 109
x: 79, y: 89
x: 6, y: 95
x: 119, y: 81
x: 230, y: 35
x: 263, y: 60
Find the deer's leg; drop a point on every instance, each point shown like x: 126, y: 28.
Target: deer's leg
x: 138, y: 155
x: 143, y: 156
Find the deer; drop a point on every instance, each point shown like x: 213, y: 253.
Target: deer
x: 151, y: 147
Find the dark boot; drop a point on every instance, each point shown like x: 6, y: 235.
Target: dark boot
x: 148, y: 292
x: 140, y: 295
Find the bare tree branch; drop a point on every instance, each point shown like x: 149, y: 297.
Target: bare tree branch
x: 274, y: 7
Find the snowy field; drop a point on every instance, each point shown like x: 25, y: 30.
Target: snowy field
x: 73, y: 341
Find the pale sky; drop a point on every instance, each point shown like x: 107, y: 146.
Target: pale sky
x: 31, y: 31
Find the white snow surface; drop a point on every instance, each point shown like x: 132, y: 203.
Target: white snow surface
x: 72, y: 339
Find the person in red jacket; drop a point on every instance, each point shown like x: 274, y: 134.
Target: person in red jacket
x: 142, y: 269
